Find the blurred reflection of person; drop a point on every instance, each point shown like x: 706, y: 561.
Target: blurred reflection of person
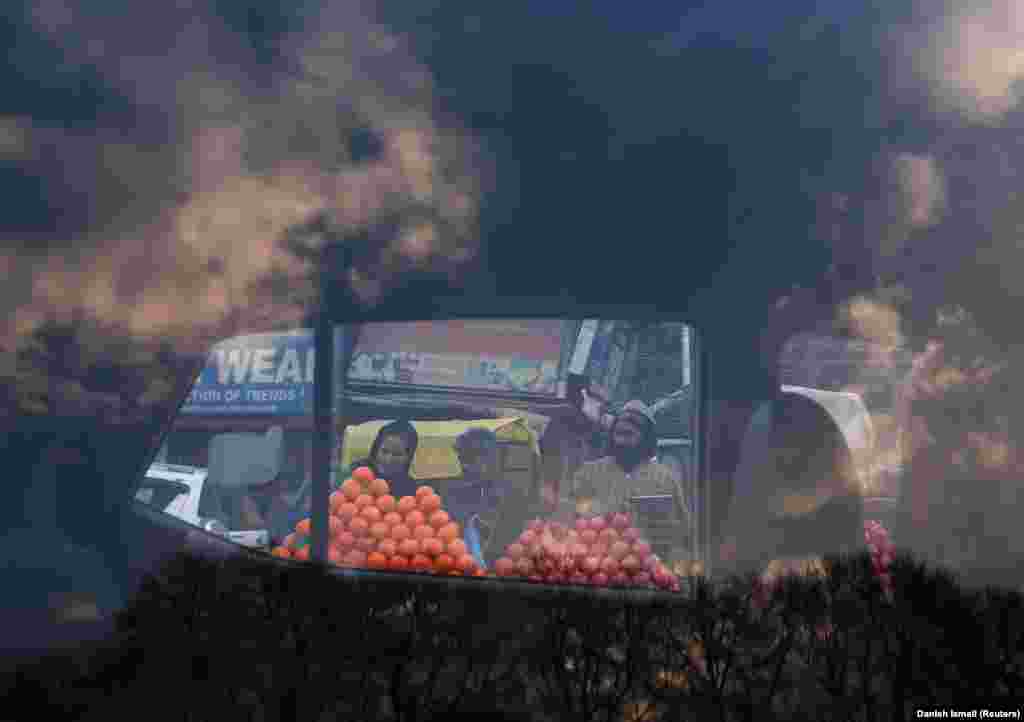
x: 797, y: 494
x: 473, y: 499
x: 391, y: 457
x: 630, y: 470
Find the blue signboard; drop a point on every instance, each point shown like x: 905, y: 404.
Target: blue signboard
x: 262, y: 374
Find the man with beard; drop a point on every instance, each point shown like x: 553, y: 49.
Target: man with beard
x: 630, y: 470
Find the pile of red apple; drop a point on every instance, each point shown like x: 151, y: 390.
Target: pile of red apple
x: 604, y: 550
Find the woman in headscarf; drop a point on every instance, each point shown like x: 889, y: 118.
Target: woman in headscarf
x: 391, y: 457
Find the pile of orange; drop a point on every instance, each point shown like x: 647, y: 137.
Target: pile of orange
x: 371, y: 529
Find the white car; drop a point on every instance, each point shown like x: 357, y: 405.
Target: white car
x: 178, y: 490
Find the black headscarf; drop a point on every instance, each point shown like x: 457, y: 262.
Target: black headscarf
x: 405, y: 485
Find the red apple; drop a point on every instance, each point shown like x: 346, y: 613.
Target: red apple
x: 527, y: 538
x: 579, y: 550
x: 631, y: 534
x: 515, y: 551
x: 610, y: 566
x: 630, y: 564
x: 558, y: 530
x: 572, y: 536
x: 505, y: 567
x: 609, y: 536
x: 525, y: 566
x: 582, y: 525
x: 591, y: 565
x: 535, y: 525
x: 589, y: 537
x: 598, y: 524
x: 621, y: 521
x: 600, y: 579
x: 618, y: 550
x: 599, y: 550
x: 662, y: 577
x: 557, y: 550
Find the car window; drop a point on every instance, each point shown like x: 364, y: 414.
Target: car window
x: 553, y: 450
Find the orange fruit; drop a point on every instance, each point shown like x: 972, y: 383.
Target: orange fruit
x: 414, y: 518
x: 406, y: 504
x: 359, y: 526
x: 304, y: 527
x: 386, y: 503
x: 409, y: 547
x: 347, y: 511
x: 379, y: 487
x: 364, y: 500
x: 290, y: 540
x: 432, y: 547
x: 351, y: 489
x: 421, y: 563
x: 479, y: 573
x: 337, y: 498
x: 346, y: 540
x: 366, y: 543
x: 424, y: 491
x: 466, y: 564
x: 335, y: 525
x: 379, y: 530
x: 335, y: 555
x: 449, y: 531
x: 430, y: 503
x: 387, y: 547
x: 371, y: 513
x: 398, y: 563
x: 400, y: 532
x: 439, y: 518
x: 457, y: 548
x: 282, y: 553
x: 392, y: 518
x: 302, y: 554
x: 423, y: 532
x: 444, y: 563
x: 364, y: 475
x: 376, y: 560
